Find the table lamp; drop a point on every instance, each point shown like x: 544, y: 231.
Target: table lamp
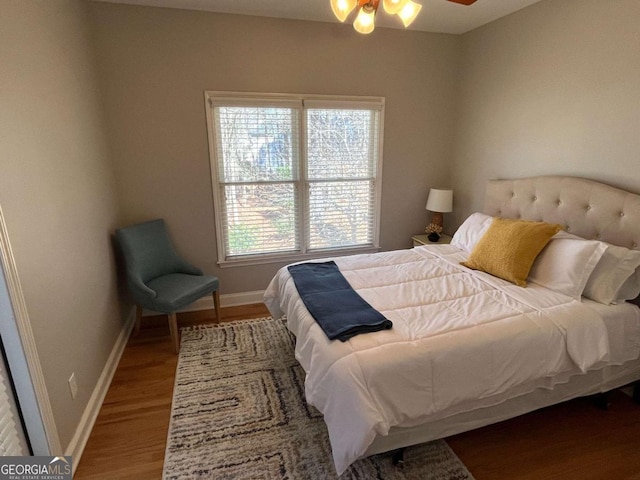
x: 440, y: 201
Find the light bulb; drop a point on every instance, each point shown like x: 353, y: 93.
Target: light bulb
x: 342, y: 8
x: 409, y: 12
x: 365, y: 21
x: 393, y: 6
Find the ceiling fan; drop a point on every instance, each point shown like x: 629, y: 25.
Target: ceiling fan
x: 407, y: 10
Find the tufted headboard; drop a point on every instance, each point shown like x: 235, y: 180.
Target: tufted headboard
x: 583, y: 207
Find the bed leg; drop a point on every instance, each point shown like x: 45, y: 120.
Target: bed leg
x: 636, y: 392
x: 601, y: 400
x: 398, y: 458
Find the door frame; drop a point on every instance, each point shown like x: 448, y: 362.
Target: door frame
x: 22, y: 355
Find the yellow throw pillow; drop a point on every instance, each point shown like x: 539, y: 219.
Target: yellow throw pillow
x: 509, y: 247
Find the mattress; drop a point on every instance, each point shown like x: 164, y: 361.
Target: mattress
x: 461, y: 340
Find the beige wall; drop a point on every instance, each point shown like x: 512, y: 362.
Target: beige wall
x: 552, y: 89
x: 56, y: 191
x: 156, y: 63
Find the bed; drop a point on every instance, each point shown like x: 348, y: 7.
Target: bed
x: 468, y: 349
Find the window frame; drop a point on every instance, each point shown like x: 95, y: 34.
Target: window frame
x: 302, y: 182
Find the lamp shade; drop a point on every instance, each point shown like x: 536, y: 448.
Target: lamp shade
x: 365, y: 21
x: 342, y: 8
x: 393, y: 6
x: 440, y: 200
x: 409, y: 12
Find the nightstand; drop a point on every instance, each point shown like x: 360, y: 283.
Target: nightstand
x: 423, y: 240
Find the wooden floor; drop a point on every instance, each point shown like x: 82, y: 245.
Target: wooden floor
x: 129, y: 437
x: 573, y: 440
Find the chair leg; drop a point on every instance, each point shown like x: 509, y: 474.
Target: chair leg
x: 175, y: 333
x: 136, y: 328
x: 216, y: 304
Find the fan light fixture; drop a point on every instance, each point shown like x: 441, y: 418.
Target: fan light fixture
x: 407, y: 10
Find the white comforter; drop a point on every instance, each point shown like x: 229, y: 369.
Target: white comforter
x: 457, y: 335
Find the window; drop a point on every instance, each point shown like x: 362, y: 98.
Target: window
x: 294, y: 176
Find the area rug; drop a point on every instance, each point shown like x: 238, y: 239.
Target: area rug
x: 239, y: 413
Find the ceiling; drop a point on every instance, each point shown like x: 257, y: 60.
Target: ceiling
x: 436, y: 15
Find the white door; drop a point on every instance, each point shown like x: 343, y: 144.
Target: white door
x: 13, y: 441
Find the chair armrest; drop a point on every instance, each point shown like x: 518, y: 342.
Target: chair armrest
x: 138, y: 288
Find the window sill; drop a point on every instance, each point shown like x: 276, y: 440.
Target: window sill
x: 295, y: 257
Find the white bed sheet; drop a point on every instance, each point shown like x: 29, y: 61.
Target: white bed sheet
x: 486, y: 341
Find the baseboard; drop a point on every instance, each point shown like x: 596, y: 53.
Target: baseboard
x: 90, y: 414
x: 228, y: 300
x: 235, y: 299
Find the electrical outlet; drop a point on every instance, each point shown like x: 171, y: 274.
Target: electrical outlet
x: 73, y: 385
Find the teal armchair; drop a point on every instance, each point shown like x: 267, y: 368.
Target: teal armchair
x: 159, y: 279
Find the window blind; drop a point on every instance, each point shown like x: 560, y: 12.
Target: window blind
x: 258, y: 162
x: 294, y: 176
x: 342, y: 158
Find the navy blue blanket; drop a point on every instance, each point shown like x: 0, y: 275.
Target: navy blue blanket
x: 334, y: 304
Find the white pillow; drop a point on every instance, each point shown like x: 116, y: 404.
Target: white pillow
x: 566, y: 263
x: 471, y: 230
x: 630, y: 289
x: 613, y: 279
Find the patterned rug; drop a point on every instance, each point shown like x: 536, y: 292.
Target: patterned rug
x: 239, y: 413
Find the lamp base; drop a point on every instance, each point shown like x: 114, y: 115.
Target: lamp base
x: 437, y: 219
